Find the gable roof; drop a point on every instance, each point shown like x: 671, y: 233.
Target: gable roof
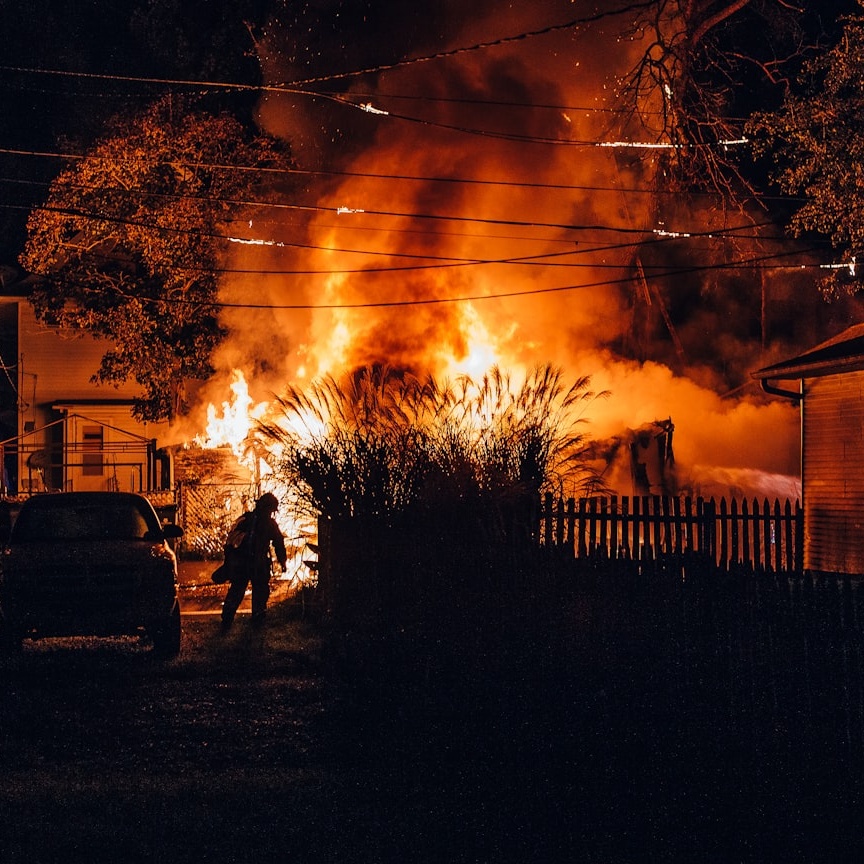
x: 842, y: 353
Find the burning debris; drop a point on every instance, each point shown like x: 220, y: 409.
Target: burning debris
x: 638, y: 461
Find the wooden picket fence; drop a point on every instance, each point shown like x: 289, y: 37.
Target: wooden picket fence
x: 728, y: 534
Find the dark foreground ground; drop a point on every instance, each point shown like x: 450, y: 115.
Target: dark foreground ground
x: 542, y: 738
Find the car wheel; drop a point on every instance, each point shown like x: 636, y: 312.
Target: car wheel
x: 166, y: 635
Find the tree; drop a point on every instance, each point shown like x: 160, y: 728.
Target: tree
x: 703, y: 66
x: 816, y: 143
x: 129, y: 238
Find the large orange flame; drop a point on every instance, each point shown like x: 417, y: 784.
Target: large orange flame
x: 379, y: 265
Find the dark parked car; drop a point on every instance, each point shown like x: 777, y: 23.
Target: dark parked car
x: 90, y: 564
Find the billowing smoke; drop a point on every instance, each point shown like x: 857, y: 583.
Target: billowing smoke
x: 487, y: 156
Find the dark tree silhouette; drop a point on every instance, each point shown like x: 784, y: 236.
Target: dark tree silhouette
x: 130, y: 236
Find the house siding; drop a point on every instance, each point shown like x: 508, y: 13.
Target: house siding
x: 833, y: 473
x: 54, y: 383
x: 59, y: 366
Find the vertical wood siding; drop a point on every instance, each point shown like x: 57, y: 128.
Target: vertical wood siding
x: 833, y: 473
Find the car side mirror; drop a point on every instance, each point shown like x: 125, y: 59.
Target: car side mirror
x: 171, y: 531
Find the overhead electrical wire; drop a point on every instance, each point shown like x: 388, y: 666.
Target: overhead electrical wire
x: 483, y: 133
x: 292, y: 86
x: 468, y: 49
x: 640, y: 232
x: 272, y: 243
x: 357, y: 94
x: 320, y: 172
x: 367, y: 175
x: 745, y: 263
x: 503, y: 295
x: 296, y: 87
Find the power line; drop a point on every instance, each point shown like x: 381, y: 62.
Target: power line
x: 479, y: 46
x: 528, y: 292
x: 640, y: 232
x: 292, y: 87
x: 365, y: 175
x: 296, y: 87
x: 467, y: 130
x: 444, y: 263
x: 320, y: 172
x: 343, y: 95
x: 745, y: 263
x: 537, y: 139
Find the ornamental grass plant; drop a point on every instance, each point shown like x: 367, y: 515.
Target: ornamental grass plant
x: 427, y: 493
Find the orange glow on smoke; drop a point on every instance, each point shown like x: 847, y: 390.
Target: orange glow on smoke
x: 375, y: 254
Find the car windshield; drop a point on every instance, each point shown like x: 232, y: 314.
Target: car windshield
x: 52, y: 521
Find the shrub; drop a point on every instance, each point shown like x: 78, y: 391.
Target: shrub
x: 434, y: 488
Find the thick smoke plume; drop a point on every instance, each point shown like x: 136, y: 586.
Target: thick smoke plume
x: 561, y: 216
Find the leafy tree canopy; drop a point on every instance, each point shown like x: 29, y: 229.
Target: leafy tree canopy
x: 816, y: 143
x: 129, y: 239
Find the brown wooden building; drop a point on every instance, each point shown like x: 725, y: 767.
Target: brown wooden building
x: 828, y: 382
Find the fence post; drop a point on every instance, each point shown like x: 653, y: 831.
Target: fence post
x: 604, y: 528
x: 626, y: 544
x: 799, y: 537
x: 592, y: 526
x: 668, y: 526
x: 547, y: 516
x: 648, y: 551
x: 559, y: 523
x: 709, y: 529
x: 613, y: 527
x: 757, y: 537
x: 766, y: 532
x: 790, y: 549
x: 679, y: 528
x: 657, y: 540
x: 735, y: 551
x: 571, y: 526
x: 690, y: 522
x: 583, y: 551
x: 777, y: 536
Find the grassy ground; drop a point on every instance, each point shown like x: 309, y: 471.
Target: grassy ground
x: 108, y: 754
x: 544, y: 735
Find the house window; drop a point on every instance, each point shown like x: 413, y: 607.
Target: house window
x: 91, y: 461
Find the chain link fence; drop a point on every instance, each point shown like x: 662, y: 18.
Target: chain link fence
x: 207, y: 511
